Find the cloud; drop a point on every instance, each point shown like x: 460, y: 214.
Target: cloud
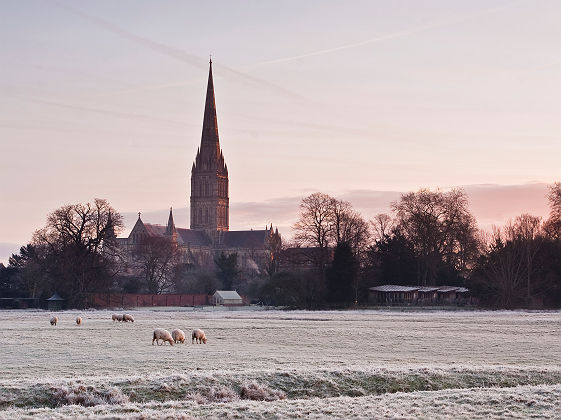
x: 491, y: 204
x: 495, y: 204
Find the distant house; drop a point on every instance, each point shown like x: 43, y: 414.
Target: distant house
x: 390, y: 294
x: 226, y: 298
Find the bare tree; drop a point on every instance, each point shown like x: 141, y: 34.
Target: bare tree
x: 80, y: 247
x: 440, y: 227
x: 156, y: 257
x: 315, y: 224
x: 350, y: 227
x: 382, y: 226
x: 326, y: 221
x: 526, y: 233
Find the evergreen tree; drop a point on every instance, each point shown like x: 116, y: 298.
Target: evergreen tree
x: 227, y: 270
x: 341, y: 277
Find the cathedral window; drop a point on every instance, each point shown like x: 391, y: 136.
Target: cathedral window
x: 200, y: 190
x: 206, y: 189
x: 206, y: 214
x: 200, y: 216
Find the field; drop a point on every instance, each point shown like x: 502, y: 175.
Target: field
x: 282, y: 364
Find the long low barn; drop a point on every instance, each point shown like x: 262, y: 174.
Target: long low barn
x: 394, y: 294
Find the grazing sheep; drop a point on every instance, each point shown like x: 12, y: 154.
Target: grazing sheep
x: 198, y: 336
x: 54, y: 320
x: 127, y: 318
x: 178, y: 336
x: 116, y: 317
x: 79, y: 321
x: 161, y: 334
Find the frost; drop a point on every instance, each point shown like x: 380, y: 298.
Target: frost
x: 259, y: 392
x: 268, y: 364
x: 88, y: 396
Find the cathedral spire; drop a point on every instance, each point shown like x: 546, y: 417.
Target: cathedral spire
x: 210, y: 145
x: 209, y: 206
x: 170, y: 229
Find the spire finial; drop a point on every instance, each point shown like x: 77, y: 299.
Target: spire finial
x: 139, y: 215
x: 210, y: 59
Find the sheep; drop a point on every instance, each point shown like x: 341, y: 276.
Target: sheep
x: 198, y: 336
x: 161, y: 334
x: 79, y: 321
x: 54, y: 320
x: 127, y: 318
x: 178, y: 336
x: 116, y: 317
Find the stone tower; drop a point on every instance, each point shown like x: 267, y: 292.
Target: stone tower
x: 209, y: 175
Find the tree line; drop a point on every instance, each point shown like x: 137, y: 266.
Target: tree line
x: 429, y: 238
x: 78, y: 252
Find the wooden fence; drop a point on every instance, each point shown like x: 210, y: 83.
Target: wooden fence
x: 133, y: 300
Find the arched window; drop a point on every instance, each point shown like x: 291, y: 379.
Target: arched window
x: 206, y: 214
x: 201, y: 189
x: 206, y: 189
x: 200, y: 216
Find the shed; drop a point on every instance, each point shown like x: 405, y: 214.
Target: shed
x: 452, y: 294
x: 391, y: 293
x: 428, y: 294
x: 418, y: 295
x: 226, y: 298
x: 55, y: 302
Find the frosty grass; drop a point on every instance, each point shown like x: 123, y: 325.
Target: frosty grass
x: 282, y: 364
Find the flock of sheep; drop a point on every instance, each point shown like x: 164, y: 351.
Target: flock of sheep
x: 122, y: 318
x: 176, y: 336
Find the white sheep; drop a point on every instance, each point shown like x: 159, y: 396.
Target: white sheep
x: 128, y: 318
x: 79, y: 321
x: 54, y: 320
x: 178, y: 336
x: 161, y: 334
x: 116, y: 317
x: 198, y: 336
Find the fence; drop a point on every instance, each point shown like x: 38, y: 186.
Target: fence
x: 132, y: 300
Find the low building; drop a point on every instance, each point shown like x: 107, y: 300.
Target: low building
x: 390, y: 294
x: 226, y: 298
x: 55, y: 302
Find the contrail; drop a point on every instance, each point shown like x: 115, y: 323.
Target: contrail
x: 155, y: 46
x: 393, y: 35
x: 118, y: 114
x: 178, y: 54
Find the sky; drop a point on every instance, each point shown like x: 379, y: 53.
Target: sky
x: 363, y: 100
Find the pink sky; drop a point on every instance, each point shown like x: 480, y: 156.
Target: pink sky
x: 105, y: 99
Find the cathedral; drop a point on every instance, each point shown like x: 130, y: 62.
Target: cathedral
x: 209, y: 233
